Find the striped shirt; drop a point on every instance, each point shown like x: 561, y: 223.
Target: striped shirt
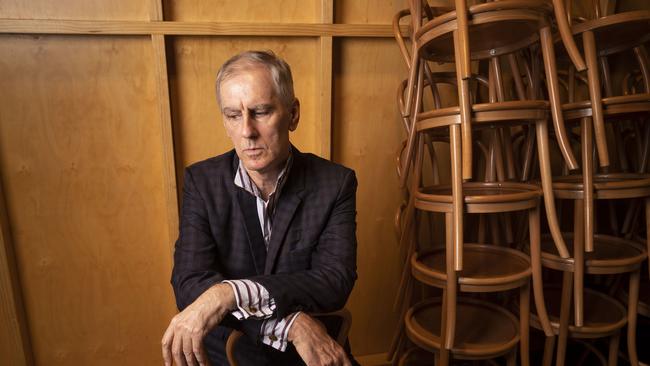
x: 253, y: 300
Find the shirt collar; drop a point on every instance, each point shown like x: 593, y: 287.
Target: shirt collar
x: 244, y: 181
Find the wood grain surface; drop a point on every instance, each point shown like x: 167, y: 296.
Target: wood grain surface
x: 366, y: 136
x: 81, y: 165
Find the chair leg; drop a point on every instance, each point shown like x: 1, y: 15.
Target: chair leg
x: 524, y: 320
x: 482, y: 228
x: 536, y: 263
x: 511, y: 358
x: 647, y: 225
x: 565, y: 309
x: 552, y: 83
x: 633, y: 301
x: 613, y: 349
x: 591, y: 57
x: 464, y: 102
x: 549, y: 345
x: 443, y: 358
x: 579, y: 262
x: 588, y: 184
x: 448, y: 321
x: 457, y: 196
x: 547, y: 186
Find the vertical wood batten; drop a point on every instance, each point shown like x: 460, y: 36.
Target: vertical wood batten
x: 164, y: 111
x: 325, y: 82
x: 15, y: 348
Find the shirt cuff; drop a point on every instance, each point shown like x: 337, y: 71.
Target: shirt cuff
x: 253, y: 300
x: 275, y: 331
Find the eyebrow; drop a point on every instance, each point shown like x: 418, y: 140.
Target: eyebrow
x: 253, y: 108
x: 261, y: 106
x: 229, y: 110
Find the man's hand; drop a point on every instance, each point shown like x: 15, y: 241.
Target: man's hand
x: 183, y: 339
x: 314, y: 345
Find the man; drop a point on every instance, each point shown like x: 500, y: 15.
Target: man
x: 267, y: 233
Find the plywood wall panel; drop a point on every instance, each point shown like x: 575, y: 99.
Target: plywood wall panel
x: 81, y: 166
x: 280, y: 11
x: 75, y: 9
x: 366, y: 136
x: 198, y: 128
x: 367, y: 11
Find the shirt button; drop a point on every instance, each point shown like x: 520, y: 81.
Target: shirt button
x: 252, y: 309
x: 273, y: 338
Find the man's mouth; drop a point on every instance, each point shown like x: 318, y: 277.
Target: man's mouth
x: 252, y: 151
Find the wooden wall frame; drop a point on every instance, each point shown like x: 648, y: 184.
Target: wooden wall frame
x: 12, y: 312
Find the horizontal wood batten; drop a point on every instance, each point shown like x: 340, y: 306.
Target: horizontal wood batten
x: 128, y: 27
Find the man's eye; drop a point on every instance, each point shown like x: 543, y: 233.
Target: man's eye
x: 232, y: 116
x: 261, y: 112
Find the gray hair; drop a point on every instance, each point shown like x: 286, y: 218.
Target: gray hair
x: 278, y: 68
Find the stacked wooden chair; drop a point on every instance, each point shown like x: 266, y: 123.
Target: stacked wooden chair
x: 596, y: 314
x: 462, y: 320
x: 447, y: 326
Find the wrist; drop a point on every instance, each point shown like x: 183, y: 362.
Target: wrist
x: 223, y: 297
x: 296, y: 327
x: 216, y: 301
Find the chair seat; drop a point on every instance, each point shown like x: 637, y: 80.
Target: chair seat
x: 606, y: 186
x: 603, y: 315
x: 491, y: 113
x: 485, y: 268
x: 495, y: 28
x: 617, y: 32
x: 481, y: 197
x: 612, y: 106
x: 482, y: 329
x: 611, y: 255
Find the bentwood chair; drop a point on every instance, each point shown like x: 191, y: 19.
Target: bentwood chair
x: 432, y: 324
x: 601, y: 36
x: 444, y: 39
x: 447, y: 38
x: 594, y: 254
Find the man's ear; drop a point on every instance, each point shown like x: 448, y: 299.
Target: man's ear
x: 294, y: 114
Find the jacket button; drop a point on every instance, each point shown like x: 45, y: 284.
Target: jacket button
x: 252, y: 309
x: 273, y: 338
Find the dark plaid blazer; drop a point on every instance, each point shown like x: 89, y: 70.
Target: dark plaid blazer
x: 311, y: 260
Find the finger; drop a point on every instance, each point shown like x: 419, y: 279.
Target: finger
x: 342, y: 358
x: 199, y: 351
x: 166, y: 347
x: 188, y: 351
x: 346, y: 361
x: 177, y: 351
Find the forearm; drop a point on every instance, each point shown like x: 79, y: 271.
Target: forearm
x: 316, y: 291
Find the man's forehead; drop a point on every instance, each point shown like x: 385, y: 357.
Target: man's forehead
x: 258, y: 79
x: 253, y: 70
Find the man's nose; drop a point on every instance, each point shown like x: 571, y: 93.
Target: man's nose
x: 248, y: 127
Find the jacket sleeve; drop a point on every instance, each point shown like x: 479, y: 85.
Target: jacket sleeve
x: 196, y: 266
x: 326, y: 285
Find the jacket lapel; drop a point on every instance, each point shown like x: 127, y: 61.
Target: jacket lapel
x: 288, y: 202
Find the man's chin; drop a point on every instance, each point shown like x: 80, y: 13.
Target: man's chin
x: 255, y: 165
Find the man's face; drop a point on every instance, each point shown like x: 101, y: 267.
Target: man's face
x: 256, y: 120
